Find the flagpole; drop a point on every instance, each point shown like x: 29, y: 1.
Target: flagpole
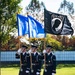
x: 44, y: 30
x: 45, y: 54
x: 29, y: 31
x: 19, y: 41
x: 44, y: 39
x: 19, y: 48
x: 30, y: 47
x: 44, y: 45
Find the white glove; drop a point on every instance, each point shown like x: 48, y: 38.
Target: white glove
x: 37, y: 73
x: 53, y: 73
x: 21, y: 69
x: 44, y: 51
x: 27, y: 71
x: 19, y: 51
x: 29, y: 51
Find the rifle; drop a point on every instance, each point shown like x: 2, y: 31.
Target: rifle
x: 31, y: 63
x: 45, y: 62
x: 18, y: 55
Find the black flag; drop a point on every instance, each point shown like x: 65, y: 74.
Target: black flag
x: 57, y: 24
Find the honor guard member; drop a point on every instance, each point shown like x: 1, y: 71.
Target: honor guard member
x: 22, y: 54
x: 49, y: 61
x: 35, y: 61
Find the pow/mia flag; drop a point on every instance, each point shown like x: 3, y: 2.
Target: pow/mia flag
x: 57, y: 24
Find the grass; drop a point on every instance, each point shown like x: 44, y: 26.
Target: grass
x: 67, y: 69
x: 11, y: 69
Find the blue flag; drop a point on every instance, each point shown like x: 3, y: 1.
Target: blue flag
x: 36, y: 30
x: 22, y: 25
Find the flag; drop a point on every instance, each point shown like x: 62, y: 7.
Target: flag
x: 36, y: 30
x: 22, y: 22
x: 56, y: 24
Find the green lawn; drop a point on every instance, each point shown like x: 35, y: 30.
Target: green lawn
x: 61, y: 69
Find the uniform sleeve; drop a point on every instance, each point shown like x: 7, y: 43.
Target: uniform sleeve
x: 17, y: 56
x: 54, y: 64
x: 42, y: 58
x: 40, y: 63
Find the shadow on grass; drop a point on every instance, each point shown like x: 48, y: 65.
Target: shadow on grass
x: 65, y: 65
x: 10, y: 65
x: 59, y: 66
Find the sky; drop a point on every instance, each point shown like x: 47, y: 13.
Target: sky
x: 51, y: 5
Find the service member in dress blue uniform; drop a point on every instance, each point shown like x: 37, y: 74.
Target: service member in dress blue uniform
x: 35, y: 61
x: 22, y: 54
x: 49, y: 61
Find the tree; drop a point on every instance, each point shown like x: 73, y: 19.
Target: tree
x: 34, y: 8
x: 35, y: 5
x: 66, y: 7
x: 72, y: 42
x: 8, y: 11
x: 55, y: 43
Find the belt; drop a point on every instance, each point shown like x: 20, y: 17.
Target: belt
x: 34, y: 64
x: 23, y: 64
x: 48, y: 64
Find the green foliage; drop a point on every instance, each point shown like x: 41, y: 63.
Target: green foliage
x: 56, y: 44
x: 8, y: 10
x: 47, y: 41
